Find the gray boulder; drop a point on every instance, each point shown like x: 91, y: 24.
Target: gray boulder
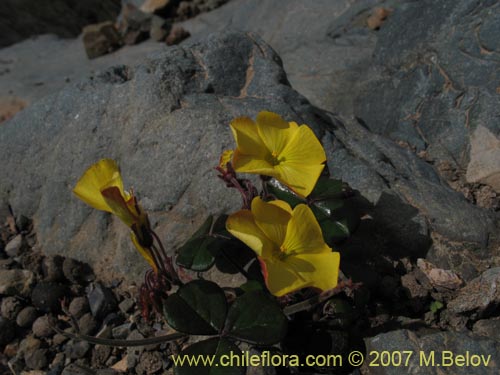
x: 433, y: 84
x: 427, y: 78
x: 325, y: 45
x: 166, y: 122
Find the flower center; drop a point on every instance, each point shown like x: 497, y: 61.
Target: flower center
x: 282, y: 253
x: 274, y: 158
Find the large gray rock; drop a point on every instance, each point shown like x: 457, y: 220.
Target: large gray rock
x: 428, y: 78
x: 166, y: 122
x: 479, y: 296
x: 433, y: 83
x: 325, y: 45
x: 430, y: 353
x: 58, y: 63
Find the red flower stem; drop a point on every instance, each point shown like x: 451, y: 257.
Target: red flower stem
x: 167, y: 261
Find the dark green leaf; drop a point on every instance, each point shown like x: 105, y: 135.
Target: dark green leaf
x: 333, y: 231
x: 209, y: 351
x: 198, y: 307
x: 198, y: 253
x: 195, y: 254
x: 283, y: 193
x: 219, y: 227
x: 256, y: 317
x: 251, y: 285
x: 327, y: 188
x: 328, y: 206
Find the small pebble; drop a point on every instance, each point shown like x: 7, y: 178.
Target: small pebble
x: 26, y: 317
x: 78, y: 307
x: 102, y: 301
x: 122, y: 331
x: 37, y: 359
x: 42, y: 328
x: 47, y: 296
x: 126, y: 305
x: 58, y: 359
x: 100, y: 355
x: 56, y: 368
x: 87, y: 324
x: 10, y: 307
x: 15, y: 246
x: 177, y: 34
x: 11, y: 349
x: 58, y: 339
x: 149, y: 363
x: 16, y: 282
x: 76, y: 349
x: 29, y: 344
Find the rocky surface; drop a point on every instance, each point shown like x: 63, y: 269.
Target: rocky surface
x: 159, y: 139
x: 405, y: 68
x: 168, y: 156
x: 20, y: 19
x: 436, y: 83
x: 45, y: 64
x: 30, y: 345
x: 166, y: 121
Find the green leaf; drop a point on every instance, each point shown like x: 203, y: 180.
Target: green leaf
x: 334, y: 231
x: 280, y: 191
x: 327, y: 188
x: 251, y: 285
x: 199, y: 252
x: 195, y: 254
x: 257, y: 318
x: 198, y: 308
x: 436, y: 306
x: 219, y: 228
x: 209, y: 351
x: 328, y: 206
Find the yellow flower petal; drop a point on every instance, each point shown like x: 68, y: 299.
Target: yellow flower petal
x: 144, y: 252
x: 301, y: 162
x: 272, y: 219
x: 303, y: 234
x: 289, y: 245
x: 280, y: 278
x: 242, y: 225
x: 301, y: 178
x: 100, y: 174
x: 281, y: 204
x: 116, y: 202
x: 225, y: 158
x: 247, y: 137
x: 303, y: 148
x: 274, y: 131
x: 317, y: 270
x: 251, y: 164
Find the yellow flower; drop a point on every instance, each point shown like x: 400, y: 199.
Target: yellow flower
x: 273, y: 147
x: 225, y: 158
x: 101, y: 187
x: 289, y: 245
